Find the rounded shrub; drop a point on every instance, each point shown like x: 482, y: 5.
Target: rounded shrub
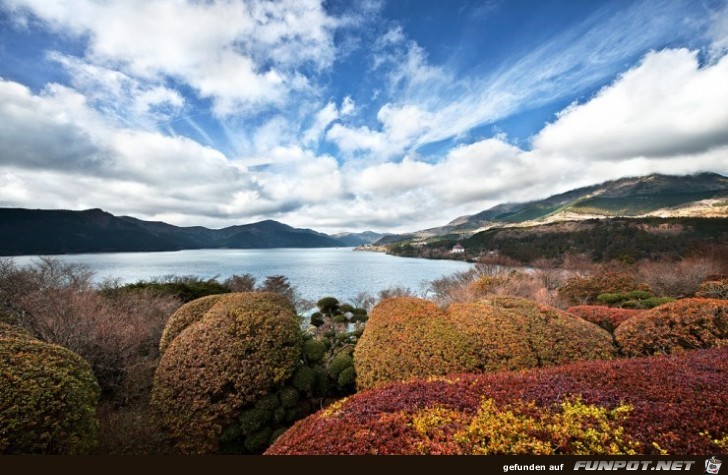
x: 185, y: 316
x: 407, y: 338
x: 606, y: 317
x: 8, y: 331
x: 314, y: 350
x: 48, y: 398
x: 509, y: 333
x: 714, y: 289
x: 656, y: 405
x: 686, y: 324
x: 243, y: 349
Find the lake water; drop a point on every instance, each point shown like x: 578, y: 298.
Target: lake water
x: 339, y: 272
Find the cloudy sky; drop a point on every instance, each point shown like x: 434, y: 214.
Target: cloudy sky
x: 351, y: 114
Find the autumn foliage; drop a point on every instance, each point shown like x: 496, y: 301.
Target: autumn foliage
x: 244, y: 348
x: 48, y: 397
x: 409, y: 338
x: 185, y: 316
x: 665, y: 404
x: 681, y: 325
x: 606, y: 317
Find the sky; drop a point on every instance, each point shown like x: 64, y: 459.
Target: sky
x: 351, y: 115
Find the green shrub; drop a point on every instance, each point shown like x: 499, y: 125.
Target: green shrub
x: 185, y: 316
x: 244, y: 348
x: 686, y: 324
x: 48, y: 398
x: 303, y: 379
x: 289, y: 397
x: 314, y: 350
x: 347, y: 377
x: 340, y: 362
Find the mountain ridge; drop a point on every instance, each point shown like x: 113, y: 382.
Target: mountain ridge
x: 643, y: 196
x: 38, y: 231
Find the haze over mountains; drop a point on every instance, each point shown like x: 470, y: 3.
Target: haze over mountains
x: 700, y: 195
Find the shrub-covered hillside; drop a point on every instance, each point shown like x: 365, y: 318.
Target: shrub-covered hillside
x: 667, y: 404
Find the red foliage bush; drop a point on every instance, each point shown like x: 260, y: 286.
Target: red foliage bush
x: 672, y: 403
x: 606, y: 317
x: 686, y: 324
x: 408, y: 338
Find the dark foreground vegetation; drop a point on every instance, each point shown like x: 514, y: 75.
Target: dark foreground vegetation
x: 492, y: 360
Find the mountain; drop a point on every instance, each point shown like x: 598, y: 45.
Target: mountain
x: 359, y: 239
x: 700, y: 195
x: 25, y: 231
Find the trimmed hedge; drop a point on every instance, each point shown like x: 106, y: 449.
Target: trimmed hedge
x: 48, y: 398
x: 666, y: 404
x: 185, y: 316
x: 244, y: 348
x: 408, y: 338
x: 606, y: 317
x: 686, y: 324
x: 8, y: 331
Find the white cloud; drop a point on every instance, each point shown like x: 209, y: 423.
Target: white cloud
x: 242, y: 55
x: 667, y: 105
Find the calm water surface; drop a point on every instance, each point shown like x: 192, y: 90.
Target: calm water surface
x: 340, y: 272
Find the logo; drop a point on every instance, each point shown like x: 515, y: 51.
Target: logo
x: 712, y: 466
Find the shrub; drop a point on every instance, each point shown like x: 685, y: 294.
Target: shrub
x: 642, y: 405
x: 583, y: 290
x: 605, y: 317
x: 14, y: 332
x: 408, y: 338
x: 405, y: 337
x: 314, y: 350
x: 677, y: 279
x: 185, y: 316
x: 244, y: 348
x: 713, y: 289
x: 48, y: 398
x: 682, y: 325
x: 647, y: 304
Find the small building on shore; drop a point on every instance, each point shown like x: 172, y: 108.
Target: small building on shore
x: 457, y: 249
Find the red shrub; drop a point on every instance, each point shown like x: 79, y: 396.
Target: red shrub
x: 673, y: 403
x: 583, y: 290
x: 606, y: 317
x: 681, y: 325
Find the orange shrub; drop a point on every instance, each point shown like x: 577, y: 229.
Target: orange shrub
x: 555, y: 337
x: 185, y: 316
x: 244, y: 348
x: 406, y: 337
x: 686, y: 324
x: 606, y: 317
x: 409, y: 338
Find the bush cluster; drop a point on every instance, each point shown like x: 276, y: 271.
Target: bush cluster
x: 48, y: 397
x: 686, y: 324
x: 665, y: 404
x: 606, y: 317
x: 636, y: 299
x: 237, y: 370
x: 408, y: 338
x: 585, y: 290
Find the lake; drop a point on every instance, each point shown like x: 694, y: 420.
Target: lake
x: 338, y: 272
